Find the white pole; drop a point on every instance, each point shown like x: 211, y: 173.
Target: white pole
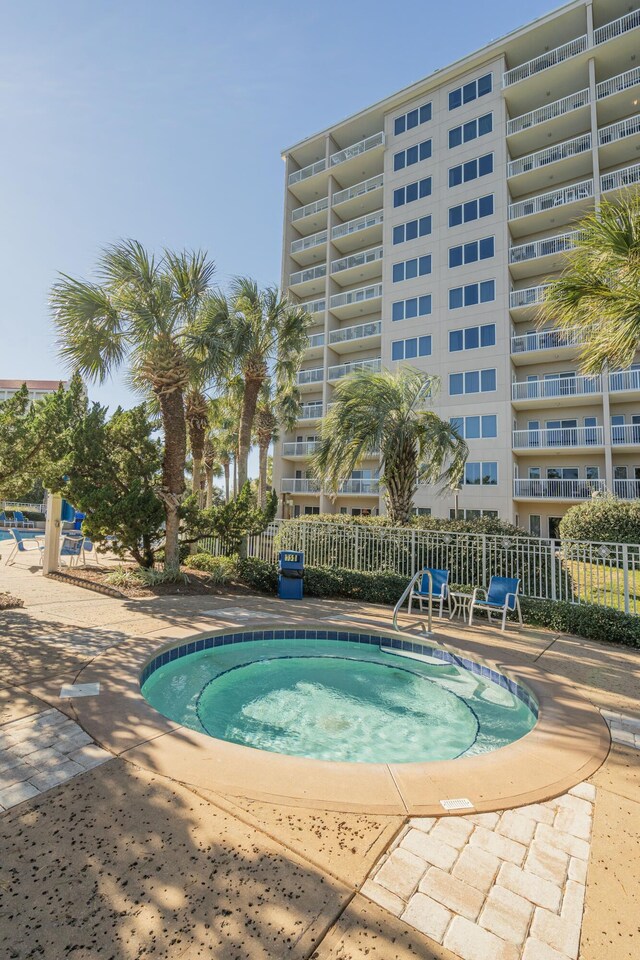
x: 53, y: 523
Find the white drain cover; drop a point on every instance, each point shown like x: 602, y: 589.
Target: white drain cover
x: 460, y: 803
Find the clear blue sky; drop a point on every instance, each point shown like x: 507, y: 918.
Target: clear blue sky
x: 164, y: 120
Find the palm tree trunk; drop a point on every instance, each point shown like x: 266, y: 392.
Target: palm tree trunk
x: 226, y: 466
x: 209, y: 493
x: 172, y: 491
x: 400, y: 486
x: 196, y: 489
x: 247, y: 414
x: 262, y: 475
x: 235, y: 477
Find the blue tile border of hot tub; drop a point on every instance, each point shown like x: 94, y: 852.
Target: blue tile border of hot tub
x: 396, y: 643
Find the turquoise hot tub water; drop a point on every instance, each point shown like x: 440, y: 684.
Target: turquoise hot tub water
x: 341, y: 699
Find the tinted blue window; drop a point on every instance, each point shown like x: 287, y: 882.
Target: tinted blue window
x: 425, y: 305
x: 399, y: 125
x: 456, y: 384
x: 455, y: 298
x: 488, y: 380
x: 425, y: 226
x: 472, y: 428
x: 397, y: 350
x: 485, y: 164
x: 425, y: 150
x: 471, y: 294
x: 411, y: 308
x: 470, y: 252
x: 472, y: 473
x: 398, y: 160
x: 455, y: 216
x: 398, y: 272
x: 424, y: 346
x: 455, y: 176
x: 470, y: 210
x: 470, y: 170
x: 490, y: 473
x: 472, y: 381
x: 455, y: 99
x: 484, y: 85
x: 425, y: 187
x: 458, y: 425
x: 425, y: 112
x: 487, y: 291
x: 398, y: 234
x: 412, y: 192
x: 486, y: 248
x: 412, y: 230
x: 455, y: 341
x: 398, y: 197
x: 486, y: 205
x: 485, y: 124
x: 424, y: 265
x: 397, y: 310
x: 412, y: 119
x: 455, y: 137
x: 410, y: 269
x: 412, y: 155
x: 488, y: 335
x: 411, y: 348
x: 469, y: 92
x: 490, y: 426
x: 470, y: 130
x: 455, y: 257
x: 471, y: 338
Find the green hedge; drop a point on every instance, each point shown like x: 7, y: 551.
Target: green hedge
x: 585, y: 620
x: 603, y: 519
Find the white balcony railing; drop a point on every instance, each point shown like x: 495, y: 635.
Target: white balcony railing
x: 547, y: 340
x: 306, y: 172
x: 619, y: 130
x: 369, y: 143
x: 561, y: 243
x: 549, y: 59
x: 299, y: 485
x: 354, y: 226
x: 313, y: 375
x: 630, y: 78
x: 300, y: 449
x: 364, y: 487
x: 344, y: 369
x: 358, y: 190
x: 315, y: 340
x: 555, y: 198
x: 356, y: 259
x: 558, y: 489
x: 310, y: 411
x: 619, y: 179
x: 542, y: 158
x: 625, y: 433
x: 529, y: 297
x: 627, y: 489
x: 617, y: 27
x: 309, y: 209
x: 551, y: 110
x: 358, y: 332
x: 556, y: 388
x: 306, y: 243
x: 311, y: 273
x: 560, y: 437
x: 372, y: 292
x: 624, y: 380
x: 313, y: 306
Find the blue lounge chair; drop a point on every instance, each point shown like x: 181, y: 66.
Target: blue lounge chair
x: 4, y: 520
x: 437, y: 586
x: 72, y: 547
x: 501, y: 597
x: 20, y: 519
x: 22, y: 543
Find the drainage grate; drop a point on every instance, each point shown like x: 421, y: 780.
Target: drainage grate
x: 460, y: 803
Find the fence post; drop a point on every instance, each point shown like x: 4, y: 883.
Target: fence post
x: 552, y: 557
x: 484, y: 559
x: 356, y: 551
x: 625, y: 575
x: 413, y: 552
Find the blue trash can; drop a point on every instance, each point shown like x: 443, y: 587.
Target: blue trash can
x: 290, y: 574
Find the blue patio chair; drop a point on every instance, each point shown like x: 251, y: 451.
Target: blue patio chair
x: 4, y: 521
x: 22, y: 543
x: 501, y: 597
x: 71, y: 547
x: 21, y: 520
x: 422, y: 586
x: 88, y: 548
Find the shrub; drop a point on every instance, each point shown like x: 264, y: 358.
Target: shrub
x: 603, y: 518
x: 221, y: 570
x: 143, y: 577
x: 258, y: 574
x: 586, y: 620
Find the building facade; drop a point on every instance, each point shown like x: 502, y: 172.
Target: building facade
x: 36, y: 388
x: 423, y: 230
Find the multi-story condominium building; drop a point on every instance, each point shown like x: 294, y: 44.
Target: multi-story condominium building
x: 36, y: 388
x: 423, y: 229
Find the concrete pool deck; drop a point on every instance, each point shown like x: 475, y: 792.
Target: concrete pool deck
x: 122, y: 861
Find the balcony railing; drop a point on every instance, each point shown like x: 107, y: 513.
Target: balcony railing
x: 560, y: 437
x: 365, y: 487
x: 627, y: 489
x: 353, y: 226
x: 299, y: 485
x: 310, y: 411
x: 314, y: 306
x: 309, y: 209
x: 549, y: 59
x: 551, y: 110
x: 558, y: 489
x: 357, y: 332
x: 625, y: 433
x: 529, y: 297
x: 307, y: 172
x: 311, y: 273
x: 356, y: 259
x: 630, y: 78
x: 547, y: 340
x: 369, y: 143
x: 555, y: 388
x: 313, y: 375
x: 542, y: 158
x: 372, y: 292
x: 624, y: 380
x: 305, y: 243
x: 555, y: 198
x: 358, y: 189
x: 619, y: 179
x: 561, y: 243
x: 344, y: 369
x: 619, y: 130
x: 315, y: 340
x: 296, y: 449
x: 617, y: 27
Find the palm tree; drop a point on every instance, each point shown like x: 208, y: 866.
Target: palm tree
x: 384, y: 414
x: 223, y: 434
x: 599, y: 292
x: 274, y: 409
x: 144, y: 312
x: 212, y: 468
x: 197, y: 419
x: 265, y: 335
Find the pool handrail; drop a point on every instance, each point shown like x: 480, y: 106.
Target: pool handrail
x: 407, y: 592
